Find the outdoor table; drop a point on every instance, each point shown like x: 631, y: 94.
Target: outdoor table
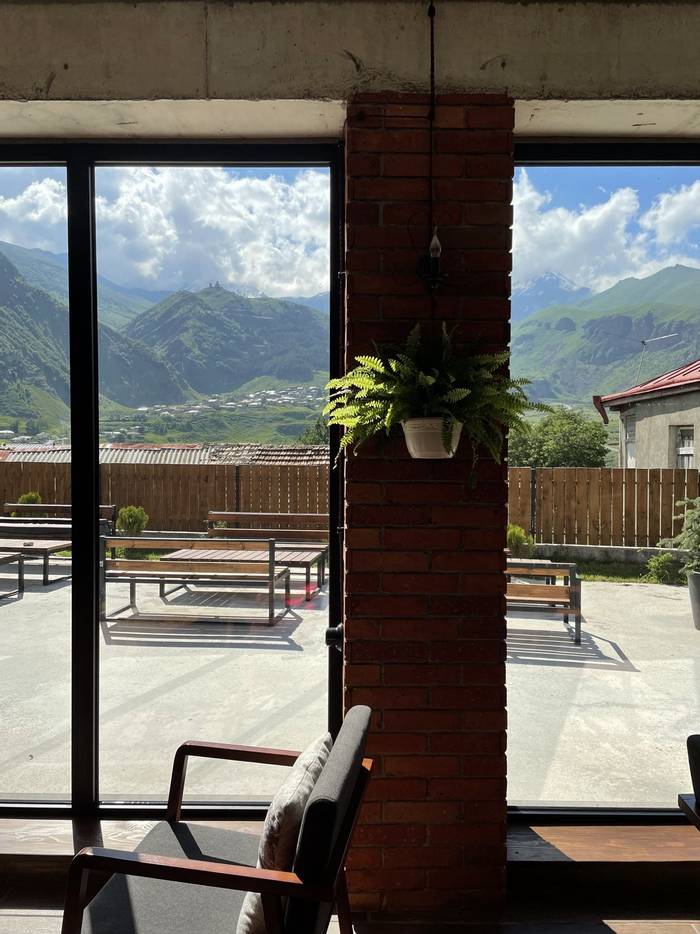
x: 43, y: 549
x: 286, y: 557
x: 9, y: 559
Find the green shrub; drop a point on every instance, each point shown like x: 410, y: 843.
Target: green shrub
x: 132, y: 520
x: 520, y: 544
x: 688, y: 539
x: 665, y: 569
x: 31, y: 497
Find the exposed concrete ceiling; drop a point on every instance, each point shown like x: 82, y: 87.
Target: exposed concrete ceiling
x: 322, y: 120
x: 329, y: 49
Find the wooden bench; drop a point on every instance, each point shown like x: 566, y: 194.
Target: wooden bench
x: 47, y: 520
x: 180, y: 573
x: 282, y: 521
x: 545, y: 591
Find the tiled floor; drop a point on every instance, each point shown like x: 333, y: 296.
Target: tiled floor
x: 48, y: 921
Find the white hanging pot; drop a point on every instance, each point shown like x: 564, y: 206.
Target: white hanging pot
x: 424, y: 438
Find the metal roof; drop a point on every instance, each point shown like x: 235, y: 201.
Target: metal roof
x: 685, y: 377
x: 141, y: 453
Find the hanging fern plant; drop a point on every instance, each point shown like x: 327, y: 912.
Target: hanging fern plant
x: 427, y: 378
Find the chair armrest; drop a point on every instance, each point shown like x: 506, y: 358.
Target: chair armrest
x: 199, y: 872
x: 217, y: 751
x: 271, y: 884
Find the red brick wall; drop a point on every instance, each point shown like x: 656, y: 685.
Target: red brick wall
x: 424, y: 585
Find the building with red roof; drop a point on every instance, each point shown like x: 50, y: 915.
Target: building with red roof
x: 659, y: 418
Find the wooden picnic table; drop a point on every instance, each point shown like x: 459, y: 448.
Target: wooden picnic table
x: 37, y: 549
x: 304, y: 558
x: 10, y: 559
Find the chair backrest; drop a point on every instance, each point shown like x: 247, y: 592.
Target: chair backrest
x: 328, y: 820
x: 693, y: 744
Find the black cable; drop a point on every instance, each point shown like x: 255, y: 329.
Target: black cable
x: 431, y: 114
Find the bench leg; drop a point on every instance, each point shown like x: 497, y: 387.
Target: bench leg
x: 132, y: 594
x: 20, y: 575
x: 271, y: 602
x: 307, y: 595
x: 288, y: 590
x: 46, y: 570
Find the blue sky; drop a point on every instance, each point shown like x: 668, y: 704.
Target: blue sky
x: 596, y: 225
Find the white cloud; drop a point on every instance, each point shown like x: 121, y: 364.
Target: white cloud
x: 166, y: 228
x: 674, y: 214
x: 181, y: 227
x: 36, y: 216
x: 592, y: 246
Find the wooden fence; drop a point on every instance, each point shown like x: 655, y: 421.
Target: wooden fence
x: 560, y: 505
x: 176, y: 496
x: 599, y: 506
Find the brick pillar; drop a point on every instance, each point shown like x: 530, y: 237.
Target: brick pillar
x: 424, y: 582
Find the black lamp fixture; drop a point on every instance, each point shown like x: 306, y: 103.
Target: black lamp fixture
x: 429, y: 266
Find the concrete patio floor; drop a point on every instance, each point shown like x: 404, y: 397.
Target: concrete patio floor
x: 160, y: 684
x: 600, y: 723
x: 604, y: 722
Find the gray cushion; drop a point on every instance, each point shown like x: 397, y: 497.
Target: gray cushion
x: 328, y: 808
x: 280, y: 833
x: 127, y: 905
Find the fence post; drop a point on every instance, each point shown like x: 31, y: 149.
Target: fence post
x: 237, y: 475
x: 533, y: 502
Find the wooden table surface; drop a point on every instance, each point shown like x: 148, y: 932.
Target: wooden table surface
x: 282, y: 555
x: 27, y: 546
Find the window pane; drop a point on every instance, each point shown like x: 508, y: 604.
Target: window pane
x: 35, y: 663
x: 214, y: 354
x: 606, y: 270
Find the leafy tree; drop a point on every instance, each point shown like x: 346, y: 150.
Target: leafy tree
x: 564, y: 438
x: 317, y: 433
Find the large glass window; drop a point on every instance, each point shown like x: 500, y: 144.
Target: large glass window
x: 35, y: 526
x: 214, y: 353
x: 606, y: 268
x: 197, y: 297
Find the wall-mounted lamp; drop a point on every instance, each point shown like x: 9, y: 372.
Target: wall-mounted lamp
x: 429, y: 267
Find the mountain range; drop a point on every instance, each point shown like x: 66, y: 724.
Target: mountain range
x: 168, y: 348
x: 550, y: 289
x: 188, y: 343
x: 117, y: 304
x: 572, y: 351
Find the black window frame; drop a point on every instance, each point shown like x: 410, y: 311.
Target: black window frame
x: 588, y: 151
x: 80, y: 159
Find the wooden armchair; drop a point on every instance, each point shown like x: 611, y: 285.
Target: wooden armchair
x: 188, y: 877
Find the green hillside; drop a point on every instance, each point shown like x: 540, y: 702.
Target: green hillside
x: 217, y: 340
x: 34, y: 369
x: 117, y: 305
x: 571, y: 353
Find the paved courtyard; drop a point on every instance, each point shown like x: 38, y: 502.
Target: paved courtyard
x: 604, y: 722
x: 160, y: 684
x: 600, y: 723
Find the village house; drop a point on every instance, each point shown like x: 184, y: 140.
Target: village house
x: 659, y: 419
